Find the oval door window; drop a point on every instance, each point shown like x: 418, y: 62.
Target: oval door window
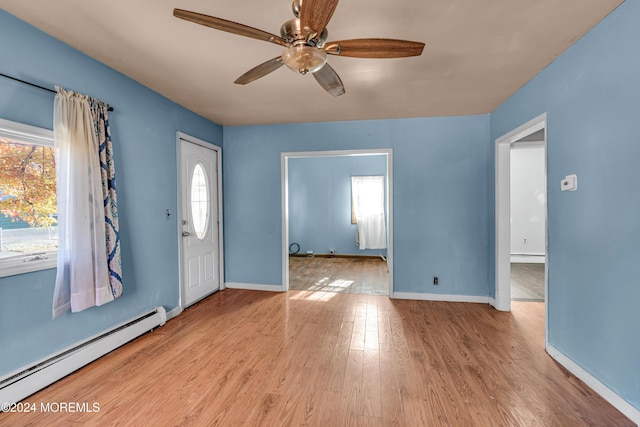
x: 199, y: 201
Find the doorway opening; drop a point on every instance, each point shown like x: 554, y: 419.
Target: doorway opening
x: 534, y: 129
x: 528, y: 217
x: 320, y: 251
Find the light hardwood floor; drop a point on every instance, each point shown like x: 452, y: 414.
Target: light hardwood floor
x: 527, y: 282
x: 331, y: 359
x: 356, y: 275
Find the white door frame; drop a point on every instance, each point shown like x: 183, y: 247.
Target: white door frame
x: 502, y: 299
x: 284, y: 164
x: 218, y: 150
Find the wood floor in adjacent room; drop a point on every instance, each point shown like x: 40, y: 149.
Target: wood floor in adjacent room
x: 527, y: 281
x: 331, y: 359
x: 353, y: 275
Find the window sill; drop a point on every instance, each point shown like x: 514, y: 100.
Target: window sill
x: 23, y: 265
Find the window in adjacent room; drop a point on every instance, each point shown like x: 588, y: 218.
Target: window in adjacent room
x: 367, y: 196
x: 367, y: 201
x: 28, y: 228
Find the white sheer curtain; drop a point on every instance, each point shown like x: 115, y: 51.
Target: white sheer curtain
x: 82, y: 279
x: 368, y: 206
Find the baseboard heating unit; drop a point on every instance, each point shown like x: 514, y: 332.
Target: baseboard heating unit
x: 28, y: 380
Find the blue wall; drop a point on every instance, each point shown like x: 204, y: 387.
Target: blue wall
x: 441, y: 197
x: 143, y: 126
x: 591, y: 94
x: 443, y: 188
x: 320, y: 202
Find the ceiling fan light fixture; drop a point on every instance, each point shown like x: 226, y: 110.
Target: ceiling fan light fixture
x: 304, y: 59
x: 304, y: 39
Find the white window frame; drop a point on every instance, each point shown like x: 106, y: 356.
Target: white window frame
x: 26, y: 263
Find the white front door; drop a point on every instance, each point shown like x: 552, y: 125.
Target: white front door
x: 199, y: 198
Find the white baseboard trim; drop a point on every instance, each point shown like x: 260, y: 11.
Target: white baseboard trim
x: 533, y: 259
x: 494, y: 303
x: 31, y: 378
x: 441, y: 297
x: 254, y: 287
x: 609, y: 395
x: 173, y: 313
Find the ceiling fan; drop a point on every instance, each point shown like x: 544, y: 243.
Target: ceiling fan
x: 304, y: 39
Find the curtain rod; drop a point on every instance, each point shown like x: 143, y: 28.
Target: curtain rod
x: 36, y: 86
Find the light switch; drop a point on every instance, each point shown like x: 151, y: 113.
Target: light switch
x: 569, y: 183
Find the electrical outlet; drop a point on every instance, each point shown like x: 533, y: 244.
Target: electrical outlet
x: 524, y: 240
x: 435, y: 280
x: 569, y: 183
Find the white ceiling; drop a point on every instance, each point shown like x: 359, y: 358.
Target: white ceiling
x: 477, y: 53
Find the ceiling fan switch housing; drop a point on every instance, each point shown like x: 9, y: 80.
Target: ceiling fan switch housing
x: 304, y: 59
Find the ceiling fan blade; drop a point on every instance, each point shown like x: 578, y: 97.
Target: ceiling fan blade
x: 329, y: 80
x: 315, y: 14
x: 260, y: 71
x: 228, y: 26
x: 375, y: 48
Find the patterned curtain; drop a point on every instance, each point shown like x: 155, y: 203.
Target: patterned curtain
x: 100, y: 114
x: 89, y: 271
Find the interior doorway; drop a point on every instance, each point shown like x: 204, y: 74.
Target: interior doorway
x: 503, y: 242
x: 314, y: 255
x: 528, y: 217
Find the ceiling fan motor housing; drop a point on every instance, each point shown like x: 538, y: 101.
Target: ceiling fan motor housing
x: 304, y: 39
x: 295, y: 35
x: 303, y: 54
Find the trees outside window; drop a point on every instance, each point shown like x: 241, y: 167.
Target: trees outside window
x: 28, y: 228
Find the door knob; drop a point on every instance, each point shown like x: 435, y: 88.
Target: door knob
x: 185, y: 234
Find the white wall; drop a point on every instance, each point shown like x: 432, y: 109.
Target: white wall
x: 528, y: 199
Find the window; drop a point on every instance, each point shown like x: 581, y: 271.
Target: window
x: 199, y: 201
x: 367, y: 198
x: 367, y: 193
x: 28, y: 228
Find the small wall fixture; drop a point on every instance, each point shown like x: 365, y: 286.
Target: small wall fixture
x: 569, y: 183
